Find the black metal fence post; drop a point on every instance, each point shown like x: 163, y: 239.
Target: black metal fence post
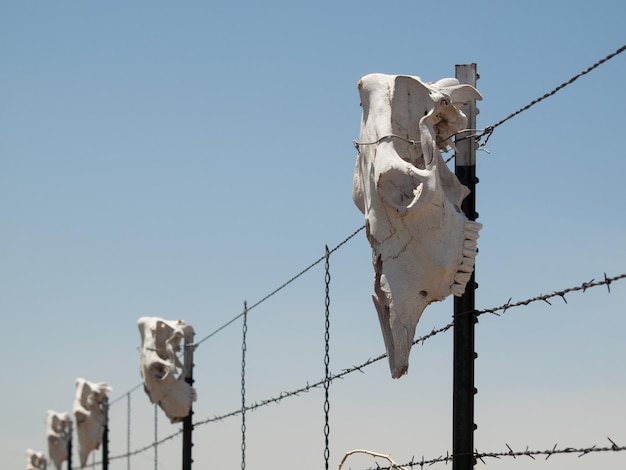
x: 105, y: 434
x: 69, y: 445
x: 464, y: 307
x: 188, y: 421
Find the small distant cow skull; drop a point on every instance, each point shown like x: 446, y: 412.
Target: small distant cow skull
x: 423, y: 245
x: 59, y: 430
x: 90, y: 413
x: 162, y: 372
x: 35, y: 460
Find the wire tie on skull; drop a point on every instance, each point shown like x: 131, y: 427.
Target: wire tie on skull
x: 388, y: 136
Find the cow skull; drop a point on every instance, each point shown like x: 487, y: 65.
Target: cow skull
x: 423, y: 245
x: 90, y: 413
x: 162, y: 372
x: 59, y: 430
x: 35, y: 460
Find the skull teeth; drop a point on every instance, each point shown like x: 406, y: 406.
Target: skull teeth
x: 467, y: 266
x: 462, y: 277
x: 469, y: 253
x: 470, y: 249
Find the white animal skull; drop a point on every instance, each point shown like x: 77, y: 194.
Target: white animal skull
x: 423, y: 245
x: 35, y: 460
x: 59, y: 430
x: 90, y: 414
x: 159, y: 366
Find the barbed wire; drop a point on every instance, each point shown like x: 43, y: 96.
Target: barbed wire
x: 310, y: 386
x: 510, y: 453
x: 486, y: 132
x: 489, y: 130
x: 421, y: 340
x: 274, y: 292
x: 545, y: 298
x: 147, y: 447
x: 140, y: 450
x: 282, y: 286
x: 606, y: 281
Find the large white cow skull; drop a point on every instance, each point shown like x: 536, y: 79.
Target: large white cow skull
x: 35, y: 460
x: 59, y: 430
x: 90, y: 413
x: 423, y: 245
x: 162, y: 372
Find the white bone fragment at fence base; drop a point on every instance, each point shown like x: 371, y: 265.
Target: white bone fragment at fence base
x: 373, y: 454
x: 59, y: 429
x: 90, y: 415
x: 35, y: 460
x: 423, y: 245
x: 162, y: 372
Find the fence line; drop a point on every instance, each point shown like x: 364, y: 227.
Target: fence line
x: 586, y: 285
x: 510, y: 453
x: 275, y: 291
x: 488, y: 131
x: 607, y: 281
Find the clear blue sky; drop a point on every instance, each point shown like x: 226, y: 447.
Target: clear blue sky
x: 176, y: 160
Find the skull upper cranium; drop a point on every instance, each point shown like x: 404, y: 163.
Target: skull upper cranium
x: 162, y: 372
x: 423, y: 245
x: 90, y: 413
x: 35, y: 460
x: 59, y: 431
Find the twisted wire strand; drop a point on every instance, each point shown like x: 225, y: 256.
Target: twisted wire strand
x: 244, y: 348
x: 327, y: 363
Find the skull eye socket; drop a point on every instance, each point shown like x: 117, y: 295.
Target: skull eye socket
x: 158, y: 370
